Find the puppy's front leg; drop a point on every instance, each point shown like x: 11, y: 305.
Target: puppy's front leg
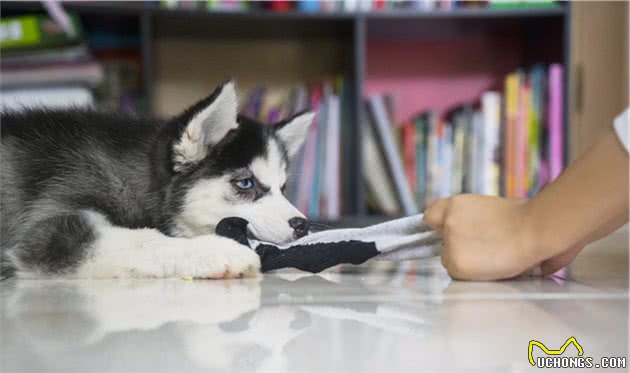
x: 122, y: 253
x: 85, y: 245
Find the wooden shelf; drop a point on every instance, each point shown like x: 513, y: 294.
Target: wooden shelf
x: 137, y: 8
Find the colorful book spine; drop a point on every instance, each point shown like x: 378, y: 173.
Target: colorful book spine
x: 521, y: 166
x: 409, y: 153
x: 458, y: 128
x: 332, y: 160
x: 536, y: 111
x: 478, y: 149
x: 512, y: 83
x: 556, y: 149
x: 421, y: 160
x: 472, y: 151
x: 446, y: 161
x: 433, y: 157
x: 491, y: 168
x: 310, y: 156
x: 315, y: 196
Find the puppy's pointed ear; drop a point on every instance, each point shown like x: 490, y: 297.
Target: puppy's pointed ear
x: 205, y: 124
x: 293, y: 132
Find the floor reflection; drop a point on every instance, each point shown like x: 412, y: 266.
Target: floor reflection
x: 290, y: 322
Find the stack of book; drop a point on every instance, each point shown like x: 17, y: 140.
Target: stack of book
x: 119, y: 53
x: 44, y: 64
x: 353, y: 5
x: 315, y: 175
x: 508, y: 143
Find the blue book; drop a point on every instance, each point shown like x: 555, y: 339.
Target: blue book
x: 317, y: 167
x: 308, y: 5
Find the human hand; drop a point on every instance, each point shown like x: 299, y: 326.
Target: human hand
x: 485, y: 238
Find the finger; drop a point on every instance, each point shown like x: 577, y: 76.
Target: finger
x: 435, y: 214
x: 445, y: 255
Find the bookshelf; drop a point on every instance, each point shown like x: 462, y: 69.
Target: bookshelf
x: 534, y: 35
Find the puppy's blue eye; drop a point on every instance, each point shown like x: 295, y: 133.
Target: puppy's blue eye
x: 245, y: 184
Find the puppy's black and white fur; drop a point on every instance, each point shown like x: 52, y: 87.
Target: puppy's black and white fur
x: 93, y: 195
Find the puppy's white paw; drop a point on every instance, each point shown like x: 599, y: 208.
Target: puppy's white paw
x: 218, y: 258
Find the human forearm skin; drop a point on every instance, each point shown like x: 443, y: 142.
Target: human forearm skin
x: 588, y: 201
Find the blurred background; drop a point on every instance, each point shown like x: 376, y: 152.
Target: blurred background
x: 416, y: 100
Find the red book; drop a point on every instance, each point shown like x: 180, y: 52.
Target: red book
x: 280, y: 5
x: 378, y: 4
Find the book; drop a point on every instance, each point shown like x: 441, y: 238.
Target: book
x: 348, y: 161
x: 253, y: 104
x: 298, y: 102
x: 381, y: 192
x: 477, y: 146
x: 521, y: 139
x: 308, y: 5
x: 46, y: 97
x: 491, y: 122
x: 556, y: 149
x: 35, y: 58
x: 512, y: 83
x: 310, y: 159
x: 332, y: 160
x: 272, y: 105
x: 505, y: 143
x: 37, y: 31
x: 536, y: 79
x: 90, y: 74
x: 318, y: 203
x: 383, y: 126
x: 408, y: 137
x: 421, y: 159
x: 433, y: 157
x: 280, y: 5
x: 527, y: 4
x: 458, y: 124
x: 472, y: 150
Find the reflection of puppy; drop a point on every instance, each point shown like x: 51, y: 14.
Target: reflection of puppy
x: 257, y: 341
x: 87, y: 311
x: 195, y: 325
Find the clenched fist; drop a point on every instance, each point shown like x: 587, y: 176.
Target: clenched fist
x: 486, y: 238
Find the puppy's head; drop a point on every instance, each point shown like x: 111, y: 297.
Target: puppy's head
x: 223, y: 165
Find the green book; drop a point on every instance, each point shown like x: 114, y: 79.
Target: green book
x: 36, y: 32
x: 528, y: 4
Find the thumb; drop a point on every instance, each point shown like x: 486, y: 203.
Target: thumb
x: 436, y: 213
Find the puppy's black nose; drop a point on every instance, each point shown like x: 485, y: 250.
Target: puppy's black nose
x: 300, y: 227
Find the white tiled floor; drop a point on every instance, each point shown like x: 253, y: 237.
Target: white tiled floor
x: 364, y: 322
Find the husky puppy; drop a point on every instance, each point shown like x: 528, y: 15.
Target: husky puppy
x: 94, y: 195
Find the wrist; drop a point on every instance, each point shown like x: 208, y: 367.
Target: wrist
x: 545, y: 235
x: 531, y: 242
